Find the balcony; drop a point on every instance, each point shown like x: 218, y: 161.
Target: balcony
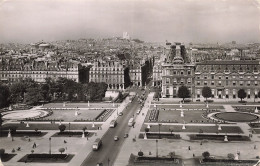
x: 212, y: 72
x: 241, y: 72
x: 197, y: 73
x: 256, y: 72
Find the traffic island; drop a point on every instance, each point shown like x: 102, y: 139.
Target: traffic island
x: 227, y: 162
x: 23, y: 133
x: 47, y: 158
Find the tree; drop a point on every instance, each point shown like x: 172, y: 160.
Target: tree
x: 241, y: 94
x: 4, y: 96
x: 206, y: 154
x: 61, y: 150
x: 62, y: 127
x: 231, y: 156
x: 183, y: 92
x: 146, y: 130
x: 206, y: 92
x: 2, y: 152
x: 140, y: 153
x: 33, y: 96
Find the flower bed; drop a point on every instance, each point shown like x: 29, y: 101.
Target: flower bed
x: 218, y: 137
x: 160, y: 136
x: 47, y: 158
x: 71, y: 134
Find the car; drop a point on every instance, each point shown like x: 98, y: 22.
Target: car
x: 116, y: 138
x: 126, y: 135
x: 120, y: 113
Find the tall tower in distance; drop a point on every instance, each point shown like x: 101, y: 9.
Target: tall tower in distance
x: 126, y: 36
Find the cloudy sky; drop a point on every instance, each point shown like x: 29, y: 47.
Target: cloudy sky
x: 211, y: 21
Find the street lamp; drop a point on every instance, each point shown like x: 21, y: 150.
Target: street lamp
x: 159, y: 124
x: 50, y: 145
x: 156, y: 148
x: 69, y: 128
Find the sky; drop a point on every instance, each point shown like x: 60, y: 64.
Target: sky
x: 199, y: 21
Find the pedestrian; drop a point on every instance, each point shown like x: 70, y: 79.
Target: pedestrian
x: 65, y: 141
x: 189, y: 147
x: 29, y: 140
x: 201, y: 143
x: 193, y: 155
x: 255, y: 147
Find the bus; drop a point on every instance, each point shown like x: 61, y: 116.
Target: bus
x: 97, y: 144
x: 131, y: 122
x: 113, y: 123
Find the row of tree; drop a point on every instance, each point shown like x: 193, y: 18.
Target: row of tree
x: 30, y: 92
x: 183, y: 92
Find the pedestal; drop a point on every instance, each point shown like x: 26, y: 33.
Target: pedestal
x: 93, y: 124
x: 145, y: 136
x: 88, y: 103
x: 83, y: 134
x: 9, y: 133
x: 182, y: 114
x: 76, y: 113
x: 148, y: 126
x: 27, y: 124
x: 180, y: 104
x: 256, y: 110
x: 226, y: 139
x: 219, y: 127
x: 183, y: 127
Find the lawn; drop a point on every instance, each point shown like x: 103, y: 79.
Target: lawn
x: 205, y: 129
x: 176, y: 115
x: 47, y: 158
x: 219, y: 137
x: 69, y: 115
x: 50, y: 126
x: 257, y: 131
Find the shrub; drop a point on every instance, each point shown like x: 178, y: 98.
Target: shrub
x: 206, y: 154
x: 32, y: 151
x: 62, y: 128
x: 36, y: 129
x: 140, y: 153
x: 2, y: 151
x: 61, y: 150
x: 146, y: 130
x: 231, y: 156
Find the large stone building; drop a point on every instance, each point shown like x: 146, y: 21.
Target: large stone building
x: 12, y: 70
x: 176, y: 71
x: 225, y: 78
x: 113, y: 73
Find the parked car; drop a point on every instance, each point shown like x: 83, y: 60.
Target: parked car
x: 120, y: 113
x: 126, y: 135
x: 116, y: 138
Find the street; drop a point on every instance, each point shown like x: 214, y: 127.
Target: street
x: 110, y: 148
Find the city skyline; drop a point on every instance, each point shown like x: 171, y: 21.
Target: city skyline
x: 186, y: 21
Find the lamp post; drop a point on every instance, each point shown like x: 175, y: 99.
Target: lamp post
x: 156, y: 148
x: 159, y: 125
x: 50, y: 145
x: 69, y: 128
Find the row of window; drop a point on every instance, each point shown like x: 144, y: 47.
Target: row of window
x: 174, y: 72
x: 225, y: 77
x: 222, y: 83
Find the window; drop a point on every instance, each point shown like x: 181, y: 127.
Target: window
x: 198, y: 77
x: 198, y: 82
x: 167, y: 80
x: 248, y: 83
x: 205, y: 83
x: 181, y: 72
x: 212, y: 82
x: 189, y: 72
x: 219, y: 77
x: 205, y: 77
x: 241, y: 82
x: 256, y: 83
x: 234, y: 83
x: 174, y: 72
x: 212, y: 76
x: 226, y: 77
x: 219, y: 83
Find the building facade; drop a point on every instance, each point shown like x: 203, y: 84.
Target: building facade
x: 225, y: 78
x: 112, y: 73
x: 13, y: 70
x: 176, y: 72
